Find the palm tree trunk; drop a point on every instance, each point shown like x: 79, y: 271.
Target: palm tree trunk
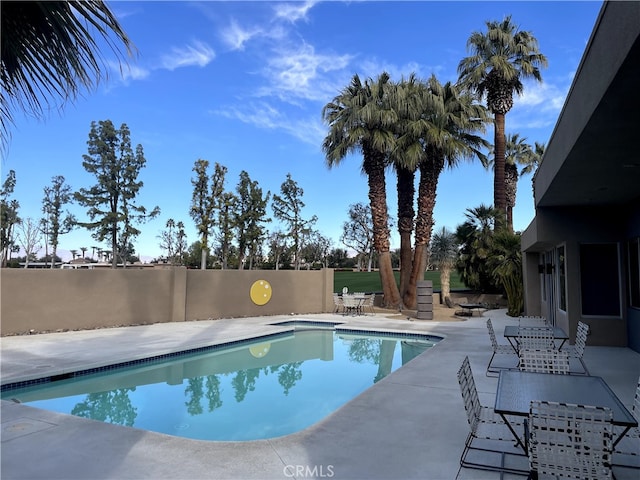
x: 499, y: 195
x: 511, y: 190
x: 429, y: 172
x: 445, y: 282
x: 374, y: 168
x: 406, y: 192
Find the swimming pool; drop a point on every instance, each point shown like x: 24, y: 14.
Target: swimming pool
x: 262, y: 388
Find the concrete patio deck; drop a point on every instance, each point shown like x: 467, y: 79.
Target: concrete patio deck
x: 410, y: 425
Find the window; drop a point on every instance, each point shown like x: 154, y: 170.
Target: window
x: 634, y: 272
x: 600, y: 279
x: 562, y: 280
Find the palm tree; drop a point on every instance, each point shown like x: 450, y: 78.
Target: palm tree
x: 517, y: 152
x: 440, y: 134
x: 444, y: 254
x: 360, y: 119
x: 475, y: 236
x: 505, y: 264
x: 49, y: 51
x: 532, y: 163
x: 500, y: 59
x: 83, y: 250
x: 406, y: 100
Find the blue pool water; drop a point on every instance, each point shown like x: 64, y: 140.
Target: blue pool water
x: 253, y: 390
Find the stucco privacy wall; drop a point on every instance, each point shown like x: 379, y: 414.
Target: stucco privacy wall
x: 50, y: 300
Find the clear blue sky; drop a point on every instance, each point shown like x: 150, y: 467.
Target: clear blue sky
x: 244, y: 83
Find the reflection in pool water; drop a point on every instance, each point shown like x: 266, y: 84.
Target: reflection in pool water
x: 254, y: 390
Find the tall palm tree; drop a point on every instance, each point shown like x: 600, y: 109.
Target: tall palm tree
x: 406, y: 98
x: 360, y: 119
x: 500, y: 59
x: 442, y: 132
x: 444, y: 254
x: 517, y: 152
x: 49, y: 51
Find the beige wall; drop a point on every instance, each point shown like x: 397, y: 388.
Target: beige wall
x: 50, y: 300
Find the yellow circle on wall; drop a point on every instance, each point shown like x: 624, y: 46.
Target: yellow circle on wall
x: 260, y: 350
x: 260, y: 292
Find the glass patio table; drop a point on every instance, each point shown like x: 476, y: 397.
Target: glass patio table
x: 517, y: 389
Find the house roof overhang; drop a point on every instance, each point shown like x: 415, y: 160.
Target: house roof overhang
x: 593, y: 156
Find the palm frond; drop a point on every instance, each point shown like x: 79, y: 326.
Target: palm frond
x: 50, y: 52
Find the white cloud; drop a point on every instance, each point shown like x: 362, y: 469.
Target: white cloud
x: 197, y: 54
x: 265, y: 116
x: 538, y: 107
x: 236, y: 36
x: 126, y: 72
x: 302, y: 73
x: 292, y: 12
x: 546, y: 95
x: 133, y: 72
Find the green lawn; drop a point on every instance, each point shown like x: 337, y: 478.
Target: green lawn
x: 370, y: 281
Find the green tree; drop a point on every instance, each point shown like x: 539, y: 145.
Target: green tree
x: 439, y: 130
x: 8, y: 217
x: 357, y: 232
x: 361, y: 119
x: 287, y: 208
x: 316, y: 249
x: 407, y: 98
x: 173, y: 240
x: 193, y: 256
x: 339, y: 258
x: 111, y: 203
x: 475, y: 236
x: 500, y: 59
x: 228, y: 202
x: 49, y: 52
x: 505, y: 264
x: 56, y: 221
x: 517, y: 152
x: 277, y: 243
x: 444, y: 254
x: 29, y: 238
x: 249, y: 216
x: 532, y: 162
x: 205, y: 201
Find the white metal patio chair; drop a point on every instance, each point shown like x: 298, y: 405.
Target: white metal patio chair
x: 577, y: 349
x: 532, y: 321
x: 351, y: 304
x: 629, y: 445
x: 535, y: 338
x: 488, y: 435
x: 570, y: 441
x: 369, y: 303
x: 338, y: 304
x: 544, y: 361
x: 498, y: 349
